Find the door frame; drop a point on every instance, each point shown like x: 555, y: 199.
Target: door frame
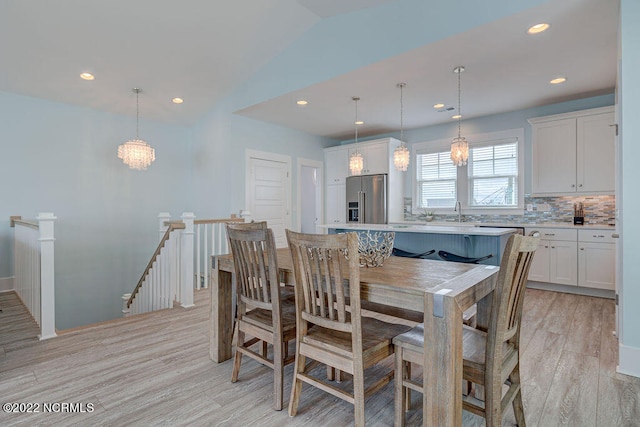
x: 319, y: 189
x: 272, y: 157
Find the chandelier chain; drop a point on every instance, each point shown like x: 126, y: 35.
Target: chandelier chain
x: 356, y: 99
x: 460, y: 69
x: 401, y: 113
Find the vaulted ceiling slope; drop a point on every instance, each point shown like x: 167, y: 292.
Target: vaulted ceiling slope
x: 258, y: 56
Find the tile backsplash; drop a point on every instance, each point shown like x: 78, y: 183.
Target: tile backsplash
x: 597, y: 210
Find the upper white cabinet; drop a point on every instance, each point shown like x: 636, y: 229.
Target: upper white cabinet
x: 574, y: 152
x: 375, y: 157
x: 336, y: 163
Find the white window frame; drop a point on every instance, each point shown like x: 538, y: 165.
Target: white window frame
x: 463, y: 182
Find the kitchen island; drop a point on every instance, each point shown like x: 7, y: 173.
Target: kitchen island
x: 458, y: 238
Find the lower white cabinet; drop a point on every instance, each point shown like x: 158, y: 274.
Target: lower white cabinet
x: 336, y: 204
x: 596, y: 259
x: 555, y: 260
x: 573, y: 257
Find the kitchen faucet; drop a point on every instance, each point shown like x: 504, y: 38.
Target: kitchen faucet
x: 458, y: 208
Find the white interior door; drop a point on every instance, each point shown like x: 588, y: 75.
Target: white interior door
x: 268, y: 191
x: 310, y: 195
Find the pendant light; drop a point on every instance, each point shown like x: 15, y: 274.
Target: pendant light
x: 459, y: 146
x: 401, y: 154
x: 356, y: 161
x: 136, y: 153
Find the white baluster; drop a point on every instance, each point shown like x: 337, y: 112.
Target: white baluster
x: 198, y: 270
x: 186, y: 264
x: 126, y: 311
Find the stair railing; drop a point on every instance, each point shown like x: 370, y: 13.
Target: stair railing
x: 168, y: 275
x: 211, y: 239
x: 34, y: 269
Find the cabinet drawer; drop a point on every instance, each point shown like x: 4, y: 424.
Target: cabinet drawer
x: 600, y: 236
x: 554, y: 233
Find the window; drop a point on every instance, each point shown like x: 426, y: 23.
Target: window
x: 492, y: 182
x: 493, y: 175
x: 436, y: 180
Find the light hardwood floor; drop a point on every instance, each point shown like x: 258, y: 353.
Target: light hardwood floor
x: 154, y: 369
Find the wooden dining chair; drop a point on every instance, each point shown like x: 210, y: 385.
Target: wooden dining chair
x: 330, y: 328
x: 490, y: 358
x: 262, y: 311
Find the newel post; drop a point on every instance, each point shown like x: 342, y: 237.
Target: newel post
x: 47, y: 276
x: 162, y: 227
x: 186, y: 261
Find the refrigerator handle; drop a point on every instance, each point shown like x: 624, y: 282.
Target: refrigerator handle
x: 361, y: 219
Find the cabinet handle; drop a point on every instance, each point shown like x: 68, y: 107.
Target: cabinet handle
x: 582, y: 249
x: 546, y: 247
x: 573, y: 185
x: 580, y: 185
x: 553, y: 247
x: 615, y: 236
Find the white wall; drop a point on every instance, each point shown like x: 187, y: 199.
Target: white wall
x: 62, y: 159
x: 629, y: 101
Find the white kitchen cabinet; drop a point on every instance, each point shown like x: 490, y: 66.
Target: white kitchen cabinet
x: 596, y: 153
x: 574, y: 153
x: 596, y: 259
x: 378, y: 158
x: 336, y: 208
x: 336, y: 161
x: 556, y: 259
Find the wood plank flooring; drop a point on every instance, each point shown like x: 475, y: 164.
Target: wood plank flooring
x: 154, y: 369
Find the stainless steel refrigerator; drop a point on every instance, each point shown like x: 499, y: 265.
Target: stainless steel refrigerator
x: 367, y: 199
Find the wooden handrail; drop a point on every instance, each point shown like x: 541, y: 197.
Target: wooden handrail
x: 217, y: 221
x: 16, y: 219
x: 172, y: 225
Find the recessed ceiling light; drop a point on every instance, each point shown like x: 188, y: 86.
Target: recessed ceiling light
x: 302, y: 102
x: 438, y: 106
x: 558, y: 80
x: 457, y: 116
x: 538, y: 28
x: 359, y: 122
x: 87, y: 76
x: 177, y: 100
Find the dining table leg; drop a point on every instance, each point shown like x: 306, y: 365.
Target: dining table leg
x: 442, y: 400
x: 220, y: 320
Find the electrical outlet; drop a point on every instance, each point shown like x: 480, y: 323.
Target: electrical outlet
x: 529, y: 207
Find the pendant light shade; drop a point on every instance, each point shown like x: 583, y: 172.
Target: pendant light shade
x: 136, y: 153
x: 459, y: 146
x: 401, y: 154
x: 356, y: 161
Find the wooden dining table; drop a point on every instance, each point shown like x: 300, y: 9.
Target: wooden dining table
x: 441, y: 290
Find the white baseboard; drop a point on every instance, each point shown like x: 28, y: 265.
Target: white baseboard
x: 629, y: 361
x: 579, y: 290
x: 6, y: 284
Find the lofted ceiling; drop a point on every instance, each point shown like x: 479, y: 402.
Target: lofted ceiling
x: 201, y: 50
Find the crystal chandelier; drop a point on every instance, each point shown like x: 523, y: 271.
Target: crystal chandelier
x: 401, y: 154
x: 356, y: 161
x: 459, y: 146
x: 136, y: 153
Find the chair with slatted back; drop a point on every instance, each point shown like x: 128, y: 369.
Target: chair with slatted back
x: 491, y: 358
x: 262, y: 311
x: 327, y: 278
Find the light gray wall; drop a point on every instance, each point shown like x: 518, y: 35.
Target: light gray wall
x: 220, y: 142
x: 629, y: 101
x: 62, y: 159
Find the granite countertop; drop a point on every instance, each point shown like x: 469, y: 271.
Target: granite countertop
x: 567, y: 225
x: 439, y: 228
